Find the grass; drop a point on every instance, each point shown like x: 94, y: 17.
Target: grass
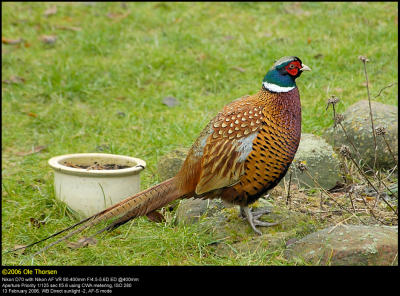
x: 100, y: 86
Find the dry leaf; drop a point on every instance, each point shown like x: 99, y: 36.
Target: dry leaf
x: 240, y: 69
x: 121, y: 114
x: 68, y: 19
x: 120, y: 98
x: 49, y: 39
x: 118, y: 16
x: 21, y: 249
x: 31, y: 114
x: 83, y: 242
x: 36, y: 223
x: 50, y: 11
x: 156, y: 217
x: 103, y: 147
x: 34, y: 150
x: 76, y: 29
x: 337, y: 194
x: 11, y: 41
x: 170, y: 101
x: 201, y: 56
x: 14, y: 80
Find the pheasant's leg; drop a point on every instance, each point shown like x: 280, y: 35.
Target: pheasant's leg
x: 250, y: 218
x: 253, y: 221
x: 242, y: 214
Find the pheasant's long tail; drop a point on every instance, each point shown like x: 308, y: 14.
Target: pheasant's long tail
x: 137, y: 205
x: 53, y: 235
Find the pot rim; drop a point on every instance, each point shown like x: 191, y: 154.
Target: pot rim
x: 56, y: 165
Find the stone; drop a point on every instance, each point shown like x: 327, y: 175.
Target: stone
x: 347, y: 245
x: 357, y: 124
x: 321, y: 161
x: 170, y: 164
x: 236, y: 236
x: 233, y: 234
x: 192, y: 209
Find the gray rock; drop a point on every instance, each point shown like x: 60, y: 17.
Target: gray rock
x: 236, y: 236
x: 192, y: 209
x: 347, y: 245
x: 321, y: 161
x: 233, y: 234
x: 357, y: 124
x: 170, y: 164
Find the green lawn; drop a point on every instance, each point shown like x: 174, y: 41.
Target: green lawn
x: 100, y: 87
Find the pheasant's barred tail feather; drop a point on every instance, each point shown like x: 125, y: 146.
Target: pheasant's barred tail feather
x: 139, y: 204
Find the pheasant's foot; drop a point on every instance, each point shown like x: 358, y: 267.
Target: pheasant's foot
x: 253, y: 221
x: 259, y: 213
x: 262, y: 223
x: 256, y: 214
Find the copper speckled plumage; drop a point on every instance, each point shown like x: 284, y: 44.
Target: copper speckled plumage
x: 241, y: 154
x: 221, y: 165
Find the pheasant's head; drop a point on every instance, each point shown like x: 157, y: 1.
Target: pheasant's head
x: 281, y: 77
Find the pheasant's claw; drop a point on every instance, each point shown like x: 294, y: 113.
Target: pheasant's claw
x: 255, y: 214
x: 252, y: 218
x: 259, y: 213
x: 262, y: 223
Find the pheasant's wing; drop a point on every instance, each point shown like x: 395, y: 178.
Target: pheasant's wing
x: 225, y: 144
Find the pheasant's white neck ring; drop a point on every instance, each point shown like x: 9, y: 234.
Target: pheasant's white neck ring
x: 276, y: 88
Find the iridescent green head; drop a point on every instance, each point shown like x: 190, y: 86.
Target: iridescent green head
x: 282, y: 76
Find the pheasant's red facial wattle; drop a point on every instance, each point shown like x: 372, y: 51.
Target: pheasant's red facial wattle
x: 293, y: 68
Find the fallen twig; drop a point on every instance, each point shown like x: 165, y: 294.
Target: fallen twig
x: 288, y: 193
x: 339, y: 223
x: 390, y: 85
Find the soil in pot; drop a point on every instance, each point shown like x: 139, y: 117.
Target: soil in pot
x: 97, y: 166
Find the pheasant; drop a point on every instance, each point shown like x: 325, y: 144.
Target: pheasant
x: 243, y: 152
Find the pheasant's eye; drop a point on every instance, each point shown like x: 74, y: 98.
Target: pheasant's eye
x: 291, y: 66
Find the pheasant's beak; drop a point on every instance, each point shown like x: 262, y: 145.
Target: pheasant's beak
x: 305, y: 68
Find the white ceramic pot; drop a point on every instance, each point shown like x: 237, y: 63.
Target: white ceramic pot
x: 90, y: 191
